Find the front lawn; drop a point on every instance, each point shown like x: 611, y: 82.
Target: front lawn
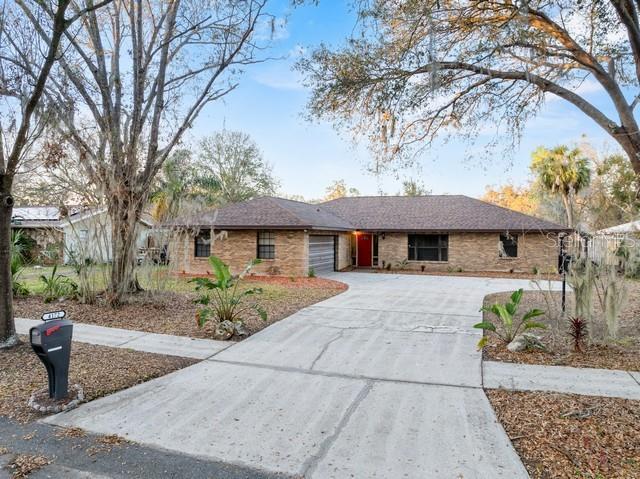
x: 98, y: 369
x: 173, y: 311
x: 567, y: 436
x: 621, y: 354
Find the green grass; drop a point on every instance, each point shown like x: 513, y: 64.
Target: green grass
x: 151, y: 278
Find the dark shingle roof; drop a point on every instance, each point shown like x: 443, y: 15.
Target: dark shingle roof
x: 372, y: 213
x: 433, y: 213
x: 269, y: 212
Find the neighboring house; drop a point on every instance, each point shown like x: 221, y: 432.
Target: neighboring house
x: 41, y: 225
x: 430, y: 233
x: 632, y: 229
x: 87, y: 234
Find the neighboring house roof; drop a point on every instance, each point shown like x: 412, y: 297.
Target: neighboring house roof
x: 267, y: 212
x: 35, y: 216
x: 49, y: 216
x: 631, y: 227
x: 372, y: 213
x: 145, y: 218
x: 434, y: 213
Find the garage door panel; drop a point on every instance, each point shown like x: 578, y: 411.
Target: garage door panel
x: 321, y: 253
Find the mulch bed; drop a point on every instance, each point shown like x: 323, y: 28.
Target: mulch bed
x: 623, y: 354
x: 175, y: 313
x: 568, y: 436
x: 98, y: 369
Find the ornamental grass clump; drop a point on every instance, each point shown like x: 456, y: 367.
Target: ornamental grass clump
x: 224, y: 302
x: 509, y: 325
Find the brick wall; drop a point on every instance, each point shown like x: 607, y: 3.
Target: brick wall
x: 467, y: 251
x: 344, y: 251
x: 477, y: 252
x: 238, y: 247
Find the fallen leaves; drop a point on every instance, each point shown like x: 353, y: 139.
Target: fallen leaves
x: 105, y: 444
x: 67, y: 432
x: 569, y: 436
x: 24, y: 464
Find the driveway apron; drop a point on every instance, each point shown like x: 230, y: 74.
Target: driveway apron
x: 382, y: 381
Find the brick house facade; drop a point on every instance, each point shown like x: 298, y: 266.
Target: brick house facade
x: 439, y: 233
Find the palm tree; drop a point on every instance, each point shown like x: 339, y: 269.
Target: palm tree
x: 173, y: 186
x: 562, y: 172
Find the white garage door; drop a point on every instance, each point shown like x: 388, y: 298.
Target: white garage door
x: 321, y: 253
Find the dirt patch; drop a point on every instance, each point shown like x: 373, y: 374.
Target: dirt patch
x: 99, y: 369
x: 175, y: 313
x: 568, y: 436
x: 623, y: 354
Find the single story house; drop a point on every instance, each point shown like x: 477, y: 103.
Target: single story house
x: 429, y: 233
x: 632, y: 229
x: 87, y: 234
x: 59, y: 234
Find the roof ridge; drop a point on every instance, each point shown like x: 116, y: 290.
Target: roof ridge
x: 317, y: 206
x: 394, y: 196
x: 272, y: 199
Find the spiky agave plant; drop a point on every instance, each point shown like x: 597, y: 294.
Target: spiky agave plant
x: 578, y: 331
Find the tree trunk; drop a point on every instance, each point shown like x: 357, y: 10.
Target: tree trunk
x: 8, y: 335
x: 124, y: 216
x: 568, y: 207
x: 631, y: 146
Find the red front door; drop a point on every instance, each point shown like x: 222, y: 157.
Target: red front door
x: 364, y: 249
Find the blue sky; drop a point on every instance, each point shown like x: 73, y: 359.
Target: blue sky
x: 270, y: 103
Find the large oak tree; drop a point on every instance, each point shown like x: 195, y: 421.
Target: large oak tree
x: 134, y: 78
x: 422, y: 68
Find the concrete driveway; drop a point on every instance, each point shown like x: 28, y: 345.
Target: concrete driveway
x: 381, y: 381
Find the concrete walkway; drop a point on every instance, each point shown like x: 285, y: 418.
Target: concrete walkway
x: 585, y: 381
x: 381, y: 381
x: 138, y: 340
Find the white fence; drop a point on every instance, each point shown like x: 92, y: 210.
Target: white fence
x: 602, y: 248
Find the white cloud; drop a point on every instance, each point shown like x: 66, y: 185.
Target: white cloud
x: 280, y: 78
x: 587, y: 87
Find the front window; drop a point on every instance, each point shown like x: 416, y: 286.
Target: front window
x: 428, y: 248
x: 266, y: 245
x: 508, y: 247
x: 203, y: 244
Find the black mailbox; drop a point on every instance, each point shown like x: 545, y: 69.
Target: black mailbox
x: 51, y: 341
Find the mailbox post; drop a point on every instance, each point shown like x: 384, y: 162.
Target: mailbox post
x: 51, y: 341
